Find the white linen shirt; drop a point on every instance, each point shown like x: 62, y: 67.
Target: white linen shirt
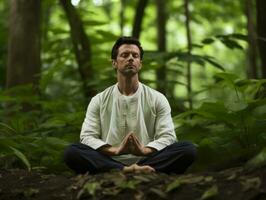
x: 111, y: 116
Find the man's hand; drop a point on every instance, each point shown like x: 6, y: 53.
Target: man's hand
x: 137, y: 148
x: 113, y: 151
x: 129, y: 145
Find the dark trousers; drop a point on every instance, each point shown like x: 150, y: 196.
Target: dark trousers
x: 175, y: 158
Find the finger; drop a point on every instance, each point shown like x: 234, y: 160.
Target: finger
x: 136, y: 142
x: 126, y: 139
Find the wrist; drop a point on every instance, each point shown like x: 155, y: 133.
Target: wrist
x: 109, y: 150
x: 148, y: 150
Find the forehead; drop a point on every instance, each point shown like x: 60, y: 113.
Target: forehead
x: 128, y: 48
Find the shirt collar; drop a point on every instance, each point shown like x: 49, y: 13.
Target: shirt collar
x: 131, y: 97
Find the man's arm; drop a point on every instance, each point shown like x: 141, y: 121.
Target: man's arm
x: 91, y: 128
x: 164, y: 128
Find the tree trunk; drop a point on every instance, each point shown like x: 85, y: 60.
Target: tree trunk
x: 23, y: 62
x: 161, y: 43
x: 122, y: 16
x: 139, y: 15
x: 261, y: 30
x: 252, y: 49
x: 82, y: 47
x: 189, y: 46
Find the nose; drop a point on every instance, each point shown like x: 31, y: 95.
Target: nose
x: 130, y: 57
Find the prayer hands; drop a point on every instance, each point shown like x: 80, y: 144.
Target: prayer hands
x: 131, y: 145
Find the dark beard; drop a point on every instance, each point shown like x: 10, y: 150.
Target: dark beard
x: 129, y: 71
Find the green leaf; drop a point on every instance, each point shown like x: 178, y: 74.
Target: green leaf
x: 209, y: 193
x: 159, y: 192
x: 239, y: 36
x: 91, y: 187
x: 57, y: 142
x: 213, y: 63
x: 236, y: 106
x: 131, y: 184
x: 22, y: 157
x: 227, y: 78
x: 7, y: 128
x: 94, y: 23
x: 173, y: 185
x: 30, y: 192
x: 232, y: 44
x: 207, y: 41
x: 257, y: 161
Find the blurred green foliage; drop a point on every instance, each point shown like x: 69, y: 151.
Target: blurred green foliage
x: 230, y: 124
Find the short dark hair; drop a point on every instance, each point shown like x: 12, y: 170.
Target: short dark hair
x: 126, y: 40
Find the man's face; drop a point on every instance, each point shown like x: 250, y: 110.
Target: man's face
x: 128, y: 61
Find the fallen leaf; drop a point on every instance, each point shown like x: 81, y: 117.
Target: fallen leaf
x: 208, y: 178
x: 159, y: 192
x: 142, y: 178
x: 210, y: 192
x: 173, y: 185
x: 192, y: 179
x: 250, y: 183
x: 30, y: 192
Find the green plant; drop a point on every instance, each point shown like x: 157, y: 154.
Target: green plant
x: 231, y: 124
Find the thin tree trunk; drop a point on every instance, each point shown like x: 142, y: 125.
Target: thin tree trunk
x: 252, y: 50
x: 261, y: 31
x: 122, y: 16
x: 46, y: 15
x: 82, y: 47
x: 139, y: 15
x: 189, y: 46
x: 23, y: 62
x: 161, y: 43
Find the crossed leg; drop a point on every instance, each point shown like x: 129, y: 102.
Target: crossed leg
x: 175, y: 158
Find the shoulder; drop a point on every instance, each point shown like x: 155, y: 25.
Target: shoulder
x: 153, y: 94
x: 106, y: 93
x: 100, y: 99
x: 156, y: 99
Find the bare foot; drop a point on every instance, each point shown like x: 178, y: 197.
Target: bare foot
x: 138, y: 169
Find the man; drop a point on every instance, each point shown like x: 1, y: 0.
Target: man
x: 128, y: 126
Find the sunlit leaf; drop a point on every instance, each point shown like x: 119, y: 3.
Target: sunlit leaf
x: 257, y: 161
x: 210, y: 193
x: 236, y: 105
x: 173, y: 185
x: 22, y: 157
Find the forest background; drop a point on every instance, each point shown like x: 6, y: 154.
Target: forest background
x: 208, y: 57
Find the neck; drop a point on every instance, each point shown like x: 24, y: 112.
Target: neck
x: 128, y: 85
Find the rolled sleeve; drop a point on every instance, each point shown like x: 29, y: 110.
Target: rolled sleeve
x: 91, y: 128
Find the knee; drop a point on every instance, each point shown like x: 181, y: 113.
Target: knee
x: 70, y: 154
x: 188, y: 149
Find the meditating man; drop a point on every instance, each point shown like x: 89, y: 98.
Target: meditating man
x: 128, y: 126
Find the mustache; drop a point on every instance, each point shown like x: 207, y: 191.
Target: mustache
x: 130, y: 64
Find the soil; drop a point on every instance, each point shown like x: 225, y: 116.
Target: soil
x: 234, y: 183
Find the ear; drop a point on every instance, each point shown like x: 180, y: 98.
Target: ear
x: 140, y: 66
x: 114, y: 64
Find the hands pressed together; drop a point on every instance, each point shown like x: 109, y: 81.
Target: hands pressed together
x: 130, y: 145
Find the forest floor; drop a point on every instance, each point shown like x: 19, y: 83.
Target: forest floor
x: 234, y: 183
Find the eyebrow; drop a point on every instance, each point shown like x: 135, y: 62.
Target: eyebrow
x: 127, y: 51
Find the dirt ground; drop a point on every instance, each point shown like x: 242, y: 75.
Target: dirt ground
x: 234, y: 183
